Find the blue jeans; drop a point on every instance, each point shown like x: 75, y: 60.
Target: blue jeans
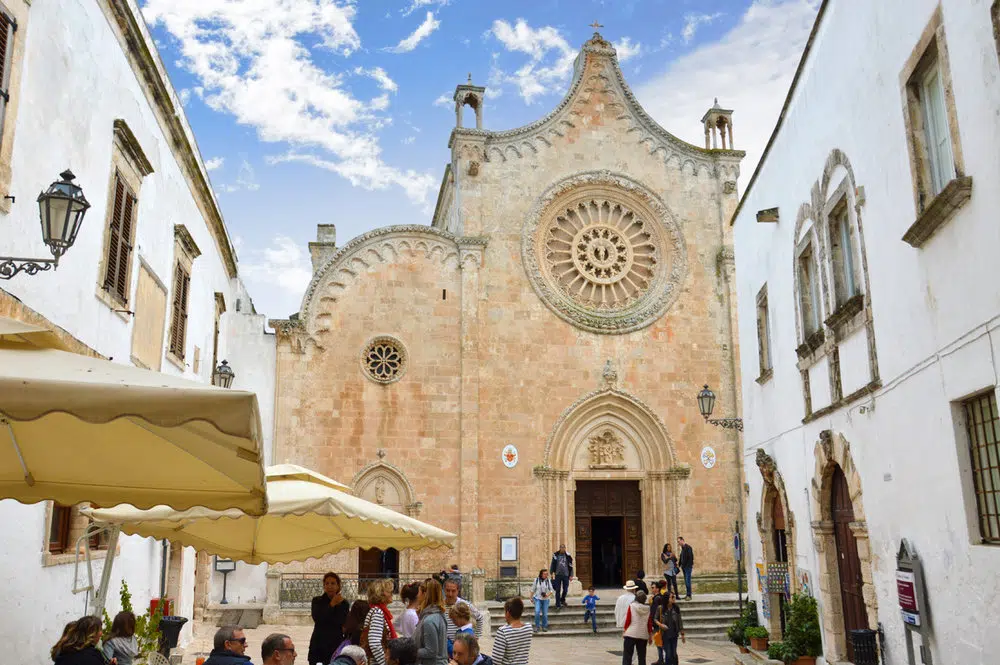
x: 542, y: 612
x: 670, y: 649
x: 687, y: 579
x: 592, y: 615
x: 561, y: 587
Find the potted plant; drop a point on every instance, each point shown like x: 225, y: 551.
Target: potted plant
x: 782, y: 651
x: 802, y: 636
x: 746, y: 619
x: 758, y: 637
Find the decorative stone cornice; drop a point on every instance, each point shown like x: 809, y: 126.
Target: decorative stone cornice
x: 291, y: 331
x: 131, y: 147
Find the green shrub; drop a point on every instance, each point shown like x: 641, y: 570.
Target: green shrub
x: 782, y: 651
x: 147, y: 627
x: 746, y: 619
x: 802, y: 626
x: 756, y: 632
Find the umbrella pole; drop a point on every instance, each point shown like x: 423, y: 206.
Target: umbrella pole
x: 101, y: 597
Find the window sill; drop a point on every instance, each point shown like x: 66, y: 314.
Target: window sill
x: 176, y: 362
x: 119, y: 308
x: 842, y: 402
x: 765, y: 376
x: 847, y: 311
x: 940, y: 211
x: 50, y: 559
x: 813, y: 341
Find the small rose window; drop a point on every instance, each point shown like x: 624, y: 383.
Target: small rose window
x: 384, y: 359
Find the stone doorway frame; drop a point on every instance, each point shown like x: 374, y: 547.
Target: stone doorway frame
x: 774, y: 490
x: 381, y: 471
x: 658, y: 475
x: 833, y: 450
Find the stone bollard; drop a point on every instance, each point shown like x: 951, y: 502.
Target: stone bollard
x: 272, y: 605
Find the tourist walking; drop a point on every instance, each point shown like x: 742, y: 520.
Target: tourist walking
x: 637, y: 631
x: 512, y: 643
x: 329, y: 611
x: 624, y: 600
x: 352, y: 626
x: 590, y: 608
x: 687, y: 564
x: 431, y: 634
x: 78, y: 644
x: 671, y: 626
x: 541, y: 594
x: 408, y: 621
x: 561, y: 568
x: 451, y: 598
x: 229, y: 647
x: 655, y: 603
x: 640, y: 581
x: 670, y: 568
x: 378, y: 628
x: 120, y: 643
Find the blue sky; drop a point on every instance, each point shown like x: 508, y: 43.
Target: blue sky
x: 332, y: 111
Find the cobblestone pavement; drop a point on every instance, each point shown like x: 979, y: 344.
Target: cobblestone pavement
x: 596, y: 650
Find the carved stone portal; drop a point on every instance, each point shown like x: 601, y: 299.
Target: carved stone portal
x: 380, y: 491
x: 606, y: 451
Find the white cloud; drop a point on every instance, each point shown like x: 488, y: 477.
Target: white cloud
x: 214, y: 163
x: 551, y: 58
x: 417, y: 4
x: 754, y: 87
x: 444, y: 100
x: 409, y: 139
x: 283, y: 263
x: 254, y: 60
x: 627, y: 49
x: 246, y: 179
x: 380, y: 77
x: 694, y: 21
x: 423, y: 31
x: 185, y: 96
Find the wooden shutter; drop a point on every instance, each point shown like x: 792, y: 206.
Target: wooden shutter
x: 178, y: 319
x: 7, y: 28
x: 59, y: 529
x: 120, y: 241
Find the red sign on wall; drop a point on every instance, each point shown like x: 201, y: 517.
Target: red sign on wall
x: 906, y: 589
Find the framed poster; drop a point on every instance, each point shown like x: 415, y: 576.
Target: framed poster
x: 508, y: 548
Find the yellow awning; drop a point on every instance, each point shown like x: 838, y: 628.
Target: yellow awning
x: 78, y: 429
x: 307, y: 516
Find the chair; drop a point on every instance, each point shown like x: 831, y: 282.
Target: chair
x: 154, y: 658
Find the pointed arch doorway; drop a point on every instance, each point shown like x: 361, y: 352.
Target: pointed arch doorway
x: 848, y: 563
x: 610, y: 469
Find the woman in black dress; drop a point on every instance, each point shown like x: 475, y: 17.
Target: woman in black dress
x: 328, y: 613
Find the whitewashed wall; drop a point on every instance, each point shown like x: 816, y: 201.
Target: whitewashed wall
x: 935, y: 311
x: 76, y: 81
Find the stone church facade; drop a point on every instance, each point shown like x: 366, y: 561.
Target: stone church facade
x: 527, y: 365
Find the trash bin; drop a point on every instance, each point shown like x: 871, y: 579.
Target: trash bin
x: 170, y: 631
x: 865, y: 647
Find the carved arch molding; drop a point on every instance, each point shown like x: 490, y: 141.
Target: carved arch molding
x: 610, y: 434
x: 773, y: 491
x: 832, y: 451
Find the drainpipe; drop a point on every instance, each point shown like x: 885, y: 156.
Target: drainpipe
x: 163, y: 568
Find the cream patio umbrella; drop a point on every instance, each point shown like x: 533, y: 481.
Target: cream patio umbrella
x: 308, y: 515
x: 79, y: 429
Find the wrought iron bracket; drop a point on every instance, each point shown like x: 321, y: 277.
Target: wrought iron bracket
x: 11, y: 265
x: 727, y: 423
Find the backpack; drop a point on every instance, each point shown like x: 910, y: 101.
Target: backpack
x: 364, y: 636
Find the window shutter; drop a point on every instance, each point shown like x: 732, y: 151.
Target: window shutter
x: 125, y: 247
x: 7, y: 28
x: 114, y: 230
x: 178, y: 319
x: 185, y: 284
x: 59, y: 529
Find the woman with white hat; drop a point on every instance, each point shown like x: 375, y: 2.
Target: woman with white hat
x: 624, y: 600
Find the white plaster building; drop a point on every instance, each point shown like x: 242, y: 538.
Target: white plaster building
x: 151, y: 280
x: 866, y: 260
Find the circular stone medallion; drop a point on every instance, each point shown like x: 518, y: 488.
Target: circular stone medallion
x: 603, y: 253
x: 384, y: 359
x: 509, y: 456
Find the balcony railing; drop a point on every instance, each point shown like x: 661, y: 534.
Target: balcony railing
x: 297, y: 590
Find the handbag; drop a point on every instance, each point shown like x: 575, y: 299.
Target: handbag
x: 658, y: 633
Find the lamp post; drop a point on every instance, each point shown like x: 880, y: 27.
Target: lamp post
x: 60, y: 211
x: 706, y: 403
x: 223, y: 375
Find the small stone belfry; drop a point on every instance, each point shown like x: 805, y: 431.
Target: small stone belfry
x: 718, y: 123
x: 472, y: 95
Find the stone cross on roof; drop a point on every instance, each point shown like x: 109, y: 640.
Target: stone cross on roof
x: 595, y: 25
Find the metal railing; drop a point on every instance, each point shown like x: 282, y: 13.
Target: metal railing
x: 296, y: 590
x: 501, y: 589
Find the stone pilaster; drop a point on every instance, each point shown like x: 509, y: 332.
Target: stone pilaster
x: 470, y: 258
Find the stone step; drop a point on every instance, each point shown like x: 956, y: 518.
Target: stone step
x: 584, y: 631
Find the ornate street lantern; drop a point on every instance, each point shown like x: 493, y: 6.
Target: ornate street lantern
x: 223, y: 375
x: 706, y: 403
x: 60, y: 211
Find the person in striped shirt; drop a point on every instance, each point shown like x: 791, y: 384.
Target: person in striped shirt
x: 513, y: 641
x: 378, y: 623
x: 451, y: 598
